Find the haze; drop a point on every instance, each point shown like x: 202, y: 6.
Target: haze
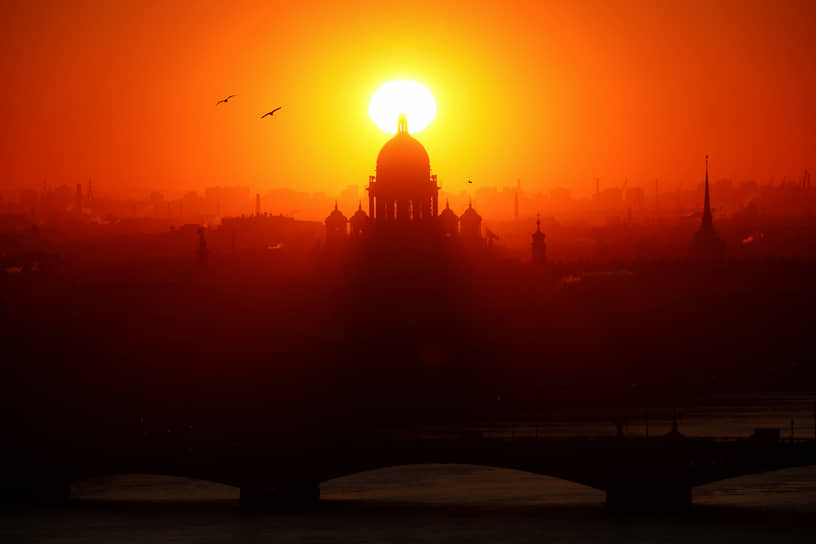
x: 556, y: 95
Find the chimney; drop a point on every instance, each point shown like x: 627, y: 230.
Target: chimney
x: 78, y: 201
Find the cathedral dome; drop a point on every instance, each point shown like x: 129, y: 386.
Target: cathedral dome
x: 403, y: 167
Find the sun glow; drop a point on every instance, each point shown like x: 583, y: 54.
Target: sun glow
x: 402, y: 96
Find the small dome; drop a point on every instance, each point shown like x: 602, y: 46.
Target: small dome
x: 448, y: 214
x: 360, y: 217
x: 449, y: 221
x: 470, y: 213
x: 336, y: 217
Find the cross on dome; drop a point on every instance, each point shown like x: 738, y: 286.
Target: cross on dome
x: 402, y: 124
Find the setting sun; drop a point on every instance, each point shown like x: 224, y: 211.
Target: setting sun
x: 402, y: 96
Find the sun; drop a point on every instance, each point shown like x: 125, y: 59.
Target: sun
x: 402, y: 96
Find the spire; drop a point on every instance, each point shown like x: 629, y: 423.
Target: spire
x: 335, y: 204
x: 360, y: 206
x: 515, y: 200
x: 538, y: 222
x: 470, y: 203
x: 707, y: 205
x: 402, y: 124
x: 447, y: 204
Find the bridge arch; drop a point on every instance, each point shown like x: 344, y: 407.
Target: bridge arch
x: 757, y: 486
x: 151, y: 487
x: 455, y: 482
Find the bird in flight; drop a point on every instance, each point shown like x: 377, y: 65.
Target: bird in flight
x: 470, y: 181
x: 271, y: 113
x: 225, y: 100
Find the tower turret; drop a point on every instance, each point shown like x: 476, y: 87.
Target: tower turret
x: 448, y: 222
x: 336, y: 227
x: 471, y: 225
x: 539, y: 246
x: 358, y: 224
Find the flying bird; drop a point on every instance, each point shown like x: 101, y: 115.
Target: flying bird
x: 470, y: 181
x: 271, y: 113
x: 225, y: 100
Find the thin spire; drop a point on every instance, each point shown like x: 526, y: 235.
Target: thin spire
x: 470, y: 203
x: 538, y: 222
x: 516, y: 200
x: 447, y: 204
x: 707, y: 204
x: 335, y: 204
x: 360, y: 205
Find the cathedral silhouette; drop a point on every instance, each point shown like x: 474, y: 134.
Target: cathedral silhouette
x: 403, y: 202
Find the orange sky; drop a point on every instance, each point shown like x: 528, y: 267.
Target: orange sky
x: 554, y: 93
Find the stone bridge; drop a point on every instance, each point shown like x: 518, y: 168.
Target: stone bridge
x: 286, y: 469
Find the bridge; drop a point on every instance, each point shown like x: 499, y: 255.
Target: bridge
x: 285, y: 469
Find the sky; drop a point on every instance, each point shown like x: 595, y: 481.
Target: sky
x: 554, y: 93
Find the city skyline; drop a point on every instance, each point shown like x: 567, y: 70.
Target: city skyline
x: 387, y: 270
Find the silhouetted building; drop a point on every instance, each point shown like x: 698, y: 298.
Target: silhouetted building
x: 358, y: 224
x: 516, y: 200
x: 336, y: 228
x: 266, y: 232
x: 78, y: 199
x: 449, y: 222
x: 539, y: 246
x: 403, y: 201
x: 706, y: 244
x: 403, y: 189
x: 202, y: 248
x: 471, y: 226
x: 675, y: 428
x: 490, y: 237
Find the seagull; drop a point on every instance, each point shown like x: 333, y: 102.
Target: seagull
x: 470, y: 181
x: 271, y: 113
x: 225, y: 100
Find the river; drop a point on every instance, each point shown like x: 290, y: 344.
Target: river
x: 451, y: 503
